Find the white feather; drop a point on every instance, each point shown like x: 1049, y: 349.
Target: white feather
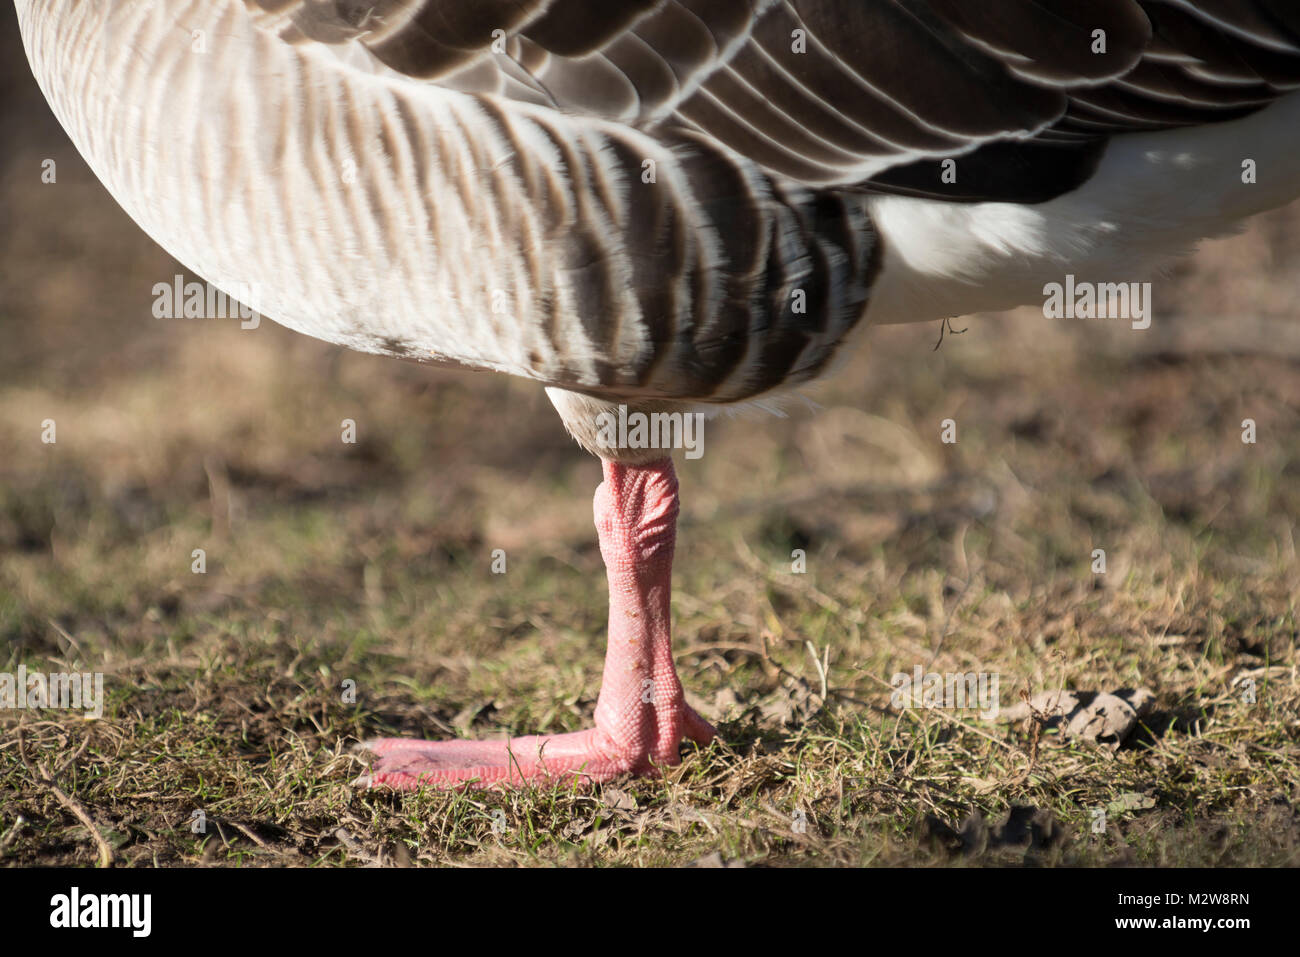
x: 1155, y: 195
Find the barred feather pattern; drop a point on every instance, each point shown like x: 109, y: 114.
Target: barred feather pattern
x: 658, y: 200
x: 845, y: 92
x: 411, y: 220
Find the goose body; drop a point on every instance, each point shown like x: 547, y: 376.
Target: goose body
x: 664, y: 203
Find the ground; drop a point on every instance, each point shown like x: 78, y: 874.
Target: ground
x: 332, y: 566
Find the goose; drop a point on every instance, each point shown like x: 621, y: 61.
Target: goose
x: 661, y: 207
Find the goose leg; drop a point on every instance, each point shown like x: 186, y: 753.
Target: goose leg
x: 641, y: 715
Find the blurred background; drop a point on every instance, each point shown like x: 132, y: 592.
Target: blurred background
x: 181, y: 434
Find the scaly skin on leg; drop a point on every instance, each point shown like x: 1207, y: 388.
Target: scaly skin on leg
x: 641, y: 715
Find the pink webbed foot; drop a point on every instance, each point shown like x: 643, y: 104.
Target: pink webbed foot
x: 641, y: 717
x: 590, y: 756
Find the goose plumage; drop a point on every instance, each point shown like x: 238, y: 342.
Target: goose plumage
x: 663, y: 204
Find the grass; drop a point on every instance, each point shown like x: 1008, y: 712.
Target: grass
x: 370, y: 563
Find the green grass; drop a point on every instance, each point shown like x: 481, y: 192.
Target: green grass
x: 371, y: 563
